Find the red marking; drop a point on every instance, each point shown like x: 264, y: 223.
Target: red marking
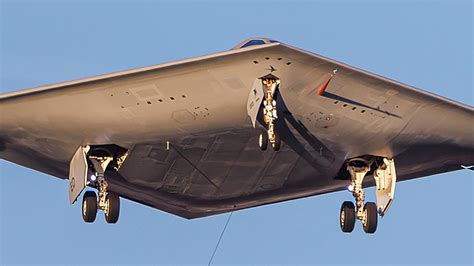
x: 325, y: 85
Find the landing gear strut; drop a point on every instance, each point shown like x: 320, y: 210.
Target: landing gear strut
x: 270, y: 84
x: 108, y: 202
x: 385, y: 178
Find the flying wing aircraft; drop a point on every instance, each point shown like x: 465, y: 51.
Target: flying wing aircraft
x: 261, y: 123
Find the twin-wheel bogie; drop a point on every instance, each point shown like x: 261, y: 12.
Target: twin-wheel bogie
x: 348, y: 217
x: 90, y: 207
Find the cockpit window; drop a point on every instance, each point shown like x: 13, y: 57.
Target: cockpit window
x: 252, y: 42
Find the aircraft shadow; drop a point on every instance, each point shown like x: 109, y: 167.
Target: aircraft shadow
x: 349, y: 101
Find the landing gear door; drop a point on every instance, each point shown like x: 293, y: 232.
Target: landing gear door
x: 255, y: 100
x: 385, y: 181
x: 78, y: 173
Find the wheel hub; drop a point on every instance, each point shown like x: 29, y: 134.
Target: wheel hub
x: 343, y: 217
x: 84, y: 208
x: 364, y: 218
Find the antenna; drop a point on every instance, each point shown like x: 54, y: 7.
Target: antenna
x: 220, y: 238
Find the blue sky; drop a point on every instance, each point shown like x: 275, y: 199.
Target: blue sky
x: 427, y: 44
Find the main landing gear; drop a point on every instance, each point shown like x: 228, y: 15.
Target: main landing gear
x: 87, y: 168
x: 385, y: 178
x: 108, y: 202
x: 270, y: 85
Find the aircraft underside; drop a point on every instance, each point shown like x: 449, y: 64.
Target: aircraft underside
x: 253, y: 127
x: 216, y: 173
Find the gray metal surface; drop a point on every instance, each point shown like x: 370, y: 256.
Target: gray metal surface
x: 78, y: 173
x: 214, y: 164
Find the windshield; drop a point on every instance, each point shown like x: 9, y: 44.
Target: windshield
x: 252, y: 42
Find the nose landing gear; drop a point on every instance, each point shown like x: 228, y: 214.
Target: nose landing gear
x: 270, y: 85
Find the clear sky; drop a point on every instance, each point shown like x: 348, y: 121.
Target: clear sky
x: 427, y: 44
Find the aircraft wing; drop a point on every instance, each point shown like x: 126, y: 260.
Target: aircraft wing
x: 192, y: 149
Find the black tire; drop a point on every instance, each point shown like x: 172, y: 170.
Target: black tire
x: 370, y: 224
x: 263, y: 141
x: 89, y: 206
x: 113, y: 210
x: 347, y: 217
x: 276, y: 145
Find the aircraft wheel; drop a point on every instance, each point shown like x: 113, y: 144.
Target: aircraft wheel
x: 277, y: 143
x: 371, y: 215
x: 347, y: 216
x: 263, y: 141
x: 113, y: 208
x: 89, y: 206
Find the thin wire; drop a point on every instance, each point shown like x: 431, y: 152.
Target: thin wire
x: 220, y: 238
x: 193, y: 165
